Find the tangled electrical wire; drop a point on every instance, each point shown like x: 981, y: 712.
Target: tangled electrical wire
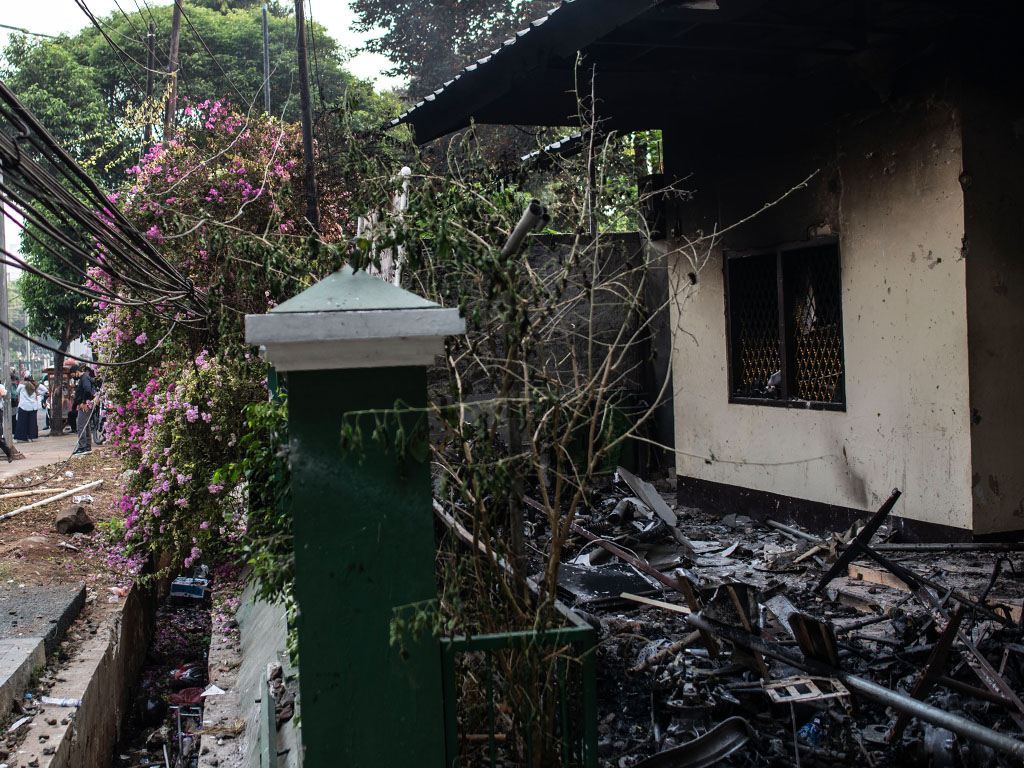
x: 51, y: 199
x: 47, y: 195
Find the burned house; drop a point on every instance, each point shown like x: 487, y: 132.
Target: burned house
x: 845, y: 276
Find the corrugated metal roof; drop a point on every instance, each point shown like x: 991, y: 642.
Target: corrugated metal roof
x: 404, y: 117
x: 564, y: 30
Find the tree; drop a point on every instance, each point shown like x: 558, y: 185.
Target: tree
x: 430, y: 42
x: 89, y: 97
x: 55, y: 312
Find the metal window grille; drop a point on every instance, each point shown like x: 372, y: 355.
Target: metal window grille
x: 754, y: 300
x: 785, y: 327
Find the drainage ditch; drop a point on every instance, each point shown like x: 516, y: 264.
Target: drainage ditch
x: 161, y: 728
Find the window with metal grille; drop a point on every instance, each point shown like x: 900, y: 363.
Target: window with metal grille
x: 785, y: 327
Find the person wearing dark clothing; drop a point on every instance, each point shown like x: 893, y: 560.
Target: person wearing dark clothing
x: 3, y: 443
x: 73, y: 373
x: 85, y: 391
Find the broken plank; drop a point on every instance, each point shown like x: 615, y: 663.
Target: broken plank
x: 655, y: 603
x: 876, y: 576
x: 649, y: 495
x: 810, y: 553
x: 32, y: 492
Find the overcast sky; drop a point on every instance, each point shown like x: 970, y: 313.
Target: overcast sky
x: 53, y: 17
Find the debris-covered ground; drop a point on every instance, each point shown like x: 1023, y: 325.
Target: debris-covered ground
x: 684, y: 601
x: 168, y: 705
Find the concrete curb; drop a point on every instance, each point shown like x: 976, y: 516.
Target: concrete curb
x: 19, y: 658
x: 102, y: 677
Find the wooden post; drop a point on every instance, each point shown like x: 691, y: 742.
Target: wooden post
x: 312, y: 209
x: 172, y: 68
x: 266, y: 61
x: 5, y: 335
x: 363, y: 520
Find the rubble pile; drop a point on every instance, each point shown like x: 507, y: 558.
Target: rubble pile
x: 728, y: 642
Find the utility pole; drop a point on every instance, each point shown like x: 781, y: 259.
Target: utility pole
x: 150, y: 63
x: 312, y: 210
x: 172, y: 68
x: 266, y: 62
x: 5, y: 335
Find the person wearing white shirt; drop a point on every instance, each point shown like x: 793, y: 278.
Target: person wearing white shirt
x: 28, y: 410
x: 42, y: 392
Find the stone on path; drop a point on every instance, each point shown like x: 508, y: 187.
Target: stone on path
x: 72, y: 519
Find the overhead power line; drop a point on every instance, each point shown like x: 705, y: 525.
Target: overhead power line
x: 69, y: 215
x: 24, y: 31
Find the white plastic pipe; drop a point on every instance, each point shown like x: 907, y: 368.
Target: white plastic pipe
x: 58, y: 497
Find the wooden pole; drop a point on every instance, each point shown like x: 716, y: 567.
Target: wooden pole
x: 33, y: 492
x: 150, y: 64
x: 172, y: 68
x: 266, y: 61
x: 5, y: 335
x: 312, y: 210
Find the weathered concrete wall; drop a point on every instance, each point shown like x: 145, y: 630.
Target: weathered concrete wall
x: 993, y: 183
x: 238, y: 665
x: 627, y: 315
x: 888, y: 187
x: 589, y: 323
x: 614, y: 303
x: 263, y: 628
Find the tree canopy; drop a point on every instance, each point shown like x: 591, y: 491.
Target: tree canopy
x: 430, y: 42
x: 88, y: 93
x: 88, y: 90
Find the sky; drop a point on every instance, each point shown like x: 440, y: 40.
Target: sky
x: 54, y: 17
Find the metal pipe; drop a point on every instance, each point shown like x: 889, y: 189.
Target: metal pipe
x: 531, y: 218
x: 926, y: 712
x: 953, y: 546
x: 793, y: 531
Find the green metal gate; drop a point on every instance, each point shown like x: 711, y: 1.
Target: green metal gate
x: 533, y: 693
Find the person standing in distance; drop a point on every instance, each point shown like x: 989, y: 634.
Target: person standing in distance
x: 85, y: 391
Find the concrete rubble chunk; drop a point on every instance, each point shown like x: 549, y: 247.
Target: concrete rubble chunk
x: 74, y: 519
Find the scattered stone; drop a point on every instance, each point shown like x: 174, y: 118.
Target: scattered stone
x: 33, y: 544
x: 74, y: 518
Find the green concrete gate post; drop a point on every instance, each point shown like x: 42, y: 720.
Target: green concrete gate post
x: 363, y: 524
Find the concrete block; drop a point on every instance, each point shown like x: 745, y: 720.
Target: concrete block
x: 19, y: 657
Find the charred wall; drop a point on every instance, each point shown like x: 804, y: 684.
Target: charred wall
x: 993, y: 185
x: 886, y: 185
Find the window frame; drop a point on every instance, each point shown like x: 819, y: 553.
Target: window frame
x: 784, y: 400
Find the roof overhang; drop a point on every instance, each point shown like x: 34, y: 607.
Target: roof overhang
x: 655, y: 62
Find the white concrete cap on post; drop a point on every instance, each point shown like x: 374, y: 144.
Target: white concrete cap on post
x: 353, y: 320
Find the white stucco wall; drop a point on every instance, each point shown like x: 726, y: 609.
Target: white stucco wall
x: 901, y: 220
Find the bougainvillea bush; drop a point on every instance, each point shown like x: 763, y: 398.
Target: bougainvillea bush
x: 222, y: 202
